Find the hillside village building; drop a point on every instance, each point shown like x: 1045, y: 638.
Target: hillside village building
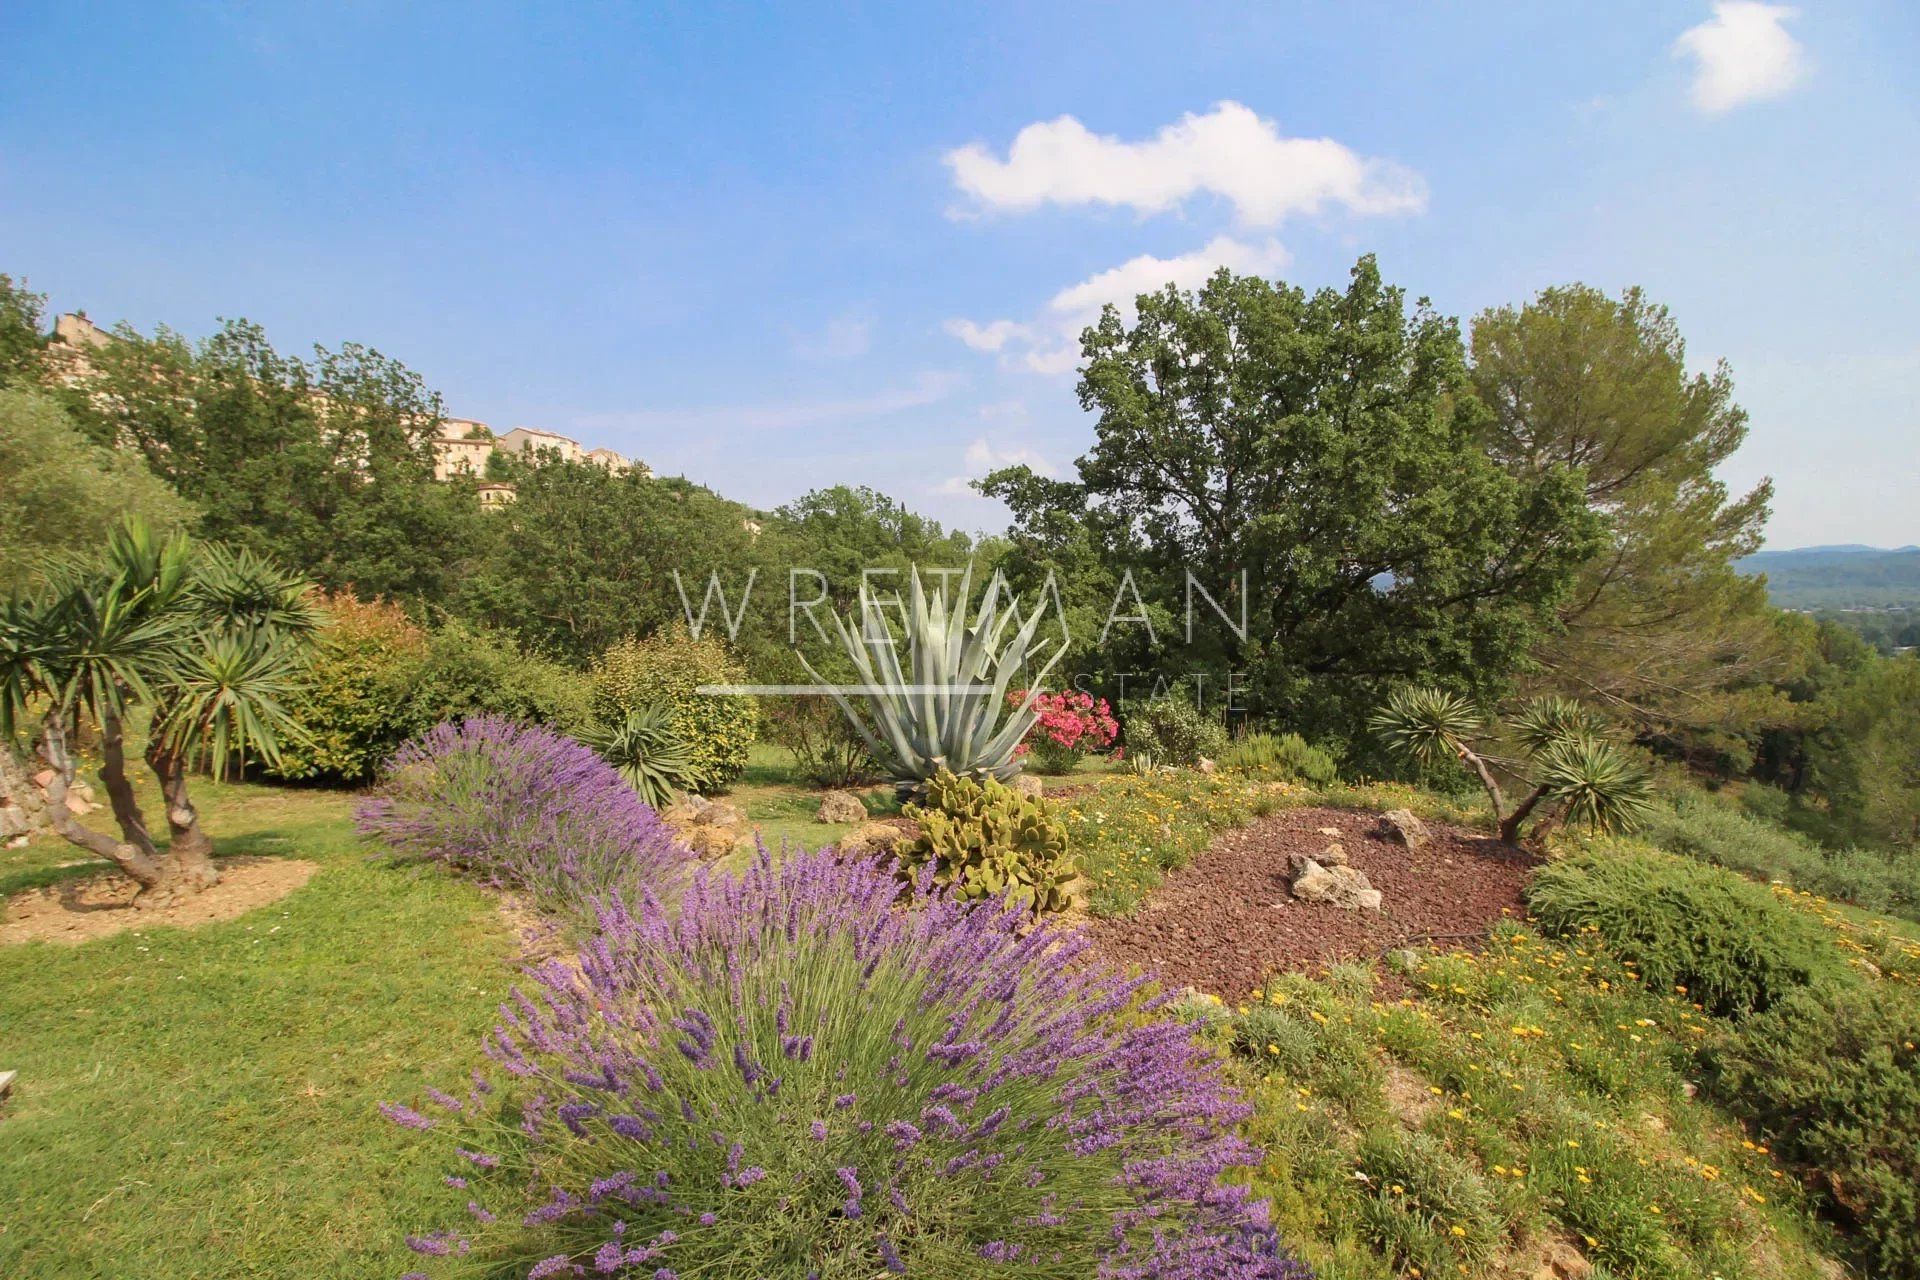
x: 461, y: 448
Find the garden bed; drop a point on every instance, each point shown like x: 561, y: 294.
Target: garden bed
x: 79, y: 910
x: 1226, y: 921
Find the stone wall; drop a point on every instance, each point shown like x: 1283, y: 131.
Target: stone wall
x: 23, y: 799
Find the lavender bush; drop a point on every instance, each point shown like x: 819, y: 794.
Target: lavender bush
x: 793, y: 1076
x: 527, y: 808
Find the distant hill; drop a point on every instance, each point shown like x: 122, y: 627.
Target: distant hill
x: 1842, y: 577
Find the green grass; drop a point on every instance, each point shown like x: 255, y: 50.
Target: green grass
x: 775, y: 799
x: 202, y: 1102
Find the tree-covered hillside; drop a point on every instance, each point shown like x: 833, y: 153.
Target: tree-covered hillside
x: 1848, y: 577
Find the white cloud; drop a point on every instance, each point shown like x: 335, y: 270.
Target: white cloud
x: 983, y: 456
x: 1743, y: 54
x: 1051, y: 343
x: 927, y: 388
x: 986, y: 337
x: 1230, y: 152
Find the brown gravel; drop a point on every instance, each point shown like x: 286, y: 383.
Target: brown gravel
x: 76, y: 911
x: 1226, y: 922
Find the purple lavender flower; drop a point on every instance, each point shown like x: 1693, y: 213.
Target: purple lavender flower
x: 524, y: 807
x: 982, y: 1062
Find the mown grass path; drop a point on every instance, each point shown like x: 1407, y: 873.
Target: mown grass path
x: 202, y: 1103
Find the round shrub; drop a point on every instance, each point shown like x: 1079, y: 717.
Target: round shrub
x: 526, y: 808
x: 663, y: 670
x: 352, y: 704
x: 1733, y: 945
x: 1171, y: 730
x: 471, y: 671
x: 792, y: 1076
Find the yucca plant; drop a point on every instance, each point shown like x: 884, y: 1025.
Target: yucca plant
x: 650, y: 754
x: 208, y: 639
x: 945, y: 705
x: 1574, y: 772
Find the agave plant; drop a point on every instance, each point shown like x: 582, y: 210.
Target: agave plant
x: 1577, y: 774
x: 945, y: 706
x: 654, y: 759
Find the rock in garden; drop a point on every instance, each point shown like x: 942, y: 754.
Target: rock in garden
x: 1401, y: 826
x: 1207, y: 766
x: 1344, y: 887
x: 1561, y: 1261
x: 872, y: 840
x: 1334, y: 855
x: 841, y: 806
x: 1028, y: 785
x: 711, y: 828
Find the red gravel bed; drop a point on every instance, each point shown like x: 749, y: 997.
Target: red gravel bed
x: 1226, y: 922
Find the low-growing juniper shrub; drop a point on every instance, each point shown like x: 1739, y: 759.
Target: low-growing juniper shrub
x: 795, y: 1075
x: 1731, y: 943
x: 526, y: 808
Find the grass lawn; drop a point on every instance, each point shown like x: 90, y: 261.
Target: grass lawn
x: 202, y: 1103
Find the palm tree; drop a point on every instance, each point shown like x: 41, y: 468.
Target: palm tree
x: 206, y: 638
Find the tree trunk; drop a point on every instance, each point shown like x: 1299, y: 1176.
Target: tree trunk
x: 119, y: 787
x: 190, y: 852
x: 1510, y: 825
x: 135, y: 854
x: 1498, y: 798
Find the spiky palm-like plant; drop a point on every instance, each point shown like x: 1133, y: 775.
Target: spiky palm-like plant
x: 208, y: 639
x: 1576, y: 771
x: 649, y: 754
x: 945, y: 706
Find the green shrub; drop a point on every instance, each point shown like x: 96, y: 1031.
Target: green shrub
x: 1172, y: 730
x: 353, y: 706
x: 1832, y: 1078
x: 984, y: 839
x: 472, y: 671
x: 1733, y: 945
x: 665, y: 669
x: 653, y: 758
x: 1286, y: 755
x: 827, y: 752
x: 1702, y: 826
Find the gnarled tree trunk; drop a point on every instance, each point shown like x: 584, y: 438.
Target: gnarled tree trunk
x: 190, y: 849
x: 134, y: 853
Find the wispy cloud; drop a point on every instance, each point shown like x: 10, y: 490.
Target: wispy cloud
x: 1742, y: 54
x: 1229, y: 152
x: 1051, y: 343
x: 842, y: 338
x: 927, y: 387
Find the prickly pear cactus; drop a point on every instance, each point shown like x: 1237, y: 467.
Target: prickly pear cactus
x: 984, y: 839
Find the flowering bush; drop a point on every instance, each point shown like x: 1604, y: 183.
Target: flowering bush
x: 792, y: 1076
x: 1069, y: 726
x: 524, y: 807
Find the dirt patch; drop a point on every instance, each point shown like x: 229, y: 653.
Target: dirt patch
x: 1226, y: 921
x: 80, y: 910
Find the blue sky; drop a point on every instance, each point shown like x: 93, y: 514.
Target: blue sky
x: 768, y: 248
